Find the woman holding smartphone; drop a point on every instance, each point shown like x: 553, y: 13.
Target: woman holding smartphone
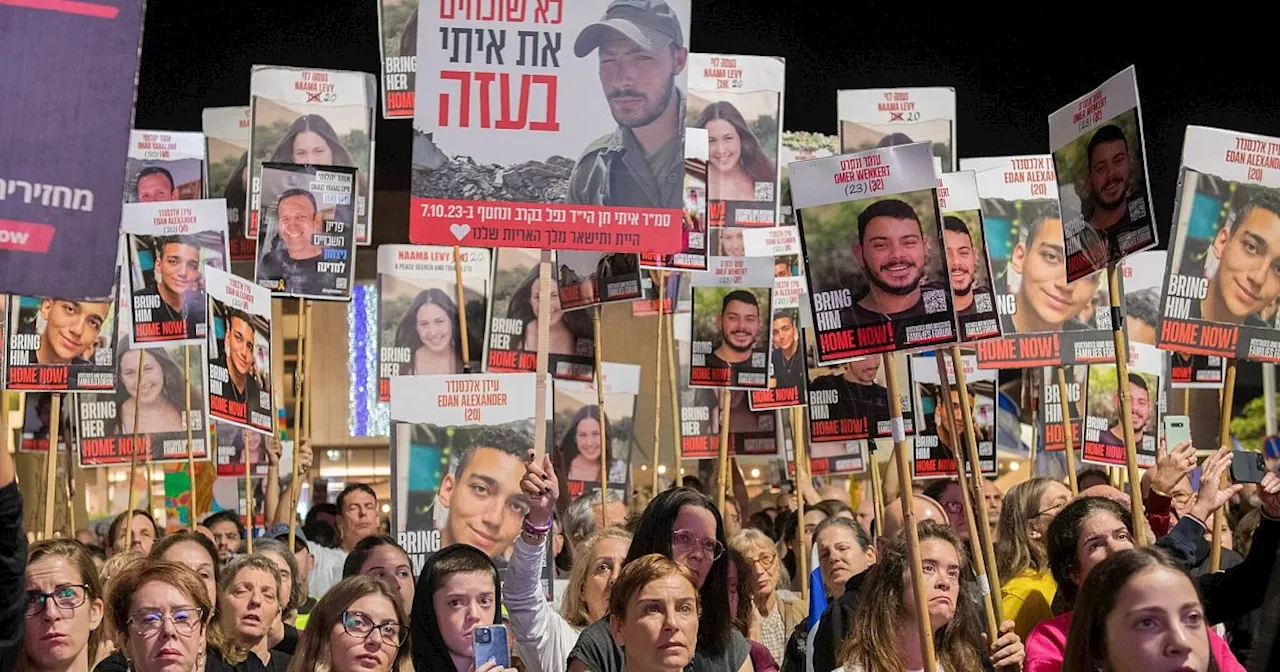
x: 457, y: 591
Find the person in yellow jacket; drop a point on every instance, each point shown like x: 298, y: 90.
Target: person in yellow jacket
x: 1027, y: 587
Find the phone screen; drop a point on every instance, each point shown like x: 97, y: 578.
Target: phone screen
x: 1177, y: 428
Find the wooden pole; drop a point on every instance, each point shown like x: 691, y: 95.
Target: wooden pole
x: 724, y: 449
x: 877, y: 487
x: 248, y: 494
x: 462, y: 315
x: 191, y: 454
x: 51, y: 464
x: 971, y: 491
x: 1126, y: 404
x: 133, y: 456
x: 299, y: 375
x: 1030, y: 380
x: 1065, y: 403
x: 604, y: 436
x: 673, y: 387
x: 544, y: 334
x: 801, y: 454
x: 657, y: 389
x: 908, y: 514
x: 1224, y: 439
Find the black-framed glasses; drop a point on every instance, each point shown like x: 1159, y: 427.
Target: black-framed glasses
x: 149, y: 623
x: 359, y: 624
x: 685, y: 542
x: 66, y: 597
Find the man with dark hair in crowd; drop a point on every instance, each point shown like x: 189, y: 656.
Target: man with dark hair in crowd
x: 228, y: 533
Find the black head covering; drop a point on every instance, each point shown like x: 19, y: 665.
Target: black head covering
x: 429, y: 651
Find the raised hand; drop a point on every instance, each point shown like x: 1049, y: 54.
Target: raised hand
x: 540, y: 483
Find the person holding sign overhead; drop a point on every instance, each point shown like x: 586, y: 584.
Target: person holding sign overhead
x: 641, y: 164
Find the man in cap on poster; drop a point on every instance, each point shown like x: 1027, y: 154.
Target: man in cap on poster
x: 641, y: 164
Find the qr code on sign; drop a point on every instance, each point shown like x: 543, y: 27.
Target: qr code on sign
x: 340, y: 283
x: 982, y: 303
x: 935, y: 301
x: 1138, y: 208
x: 764, y: 191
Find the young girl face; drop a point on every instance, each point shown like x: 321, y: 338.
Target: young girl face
x: 435, y: 330
x: 391, y: 565
x: 466, y: 599
x: 1101, y: 535
x: 587, y: 438
x: 1157, y: 625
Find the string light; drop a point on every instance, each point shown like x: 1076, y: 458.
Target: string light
x: 755, y: 473
x: 1014, y: 466
x: 368, y: 416
x: 662, y: 468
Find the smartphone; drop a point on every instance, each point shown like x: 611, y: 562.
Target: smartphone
x: 490, y: 643
x: 1247, y: 466
x: 1177, y: 428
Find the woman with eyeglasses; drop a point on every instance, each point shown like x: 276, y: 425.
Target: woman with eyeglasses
x: 683, y: 525
x: 63, y: 608
x: 778, y: 611
x: 543, y: 635
x: 358, y: 626
x: 161, y: 613
x: 457, y: 590
x: 1028, y: 587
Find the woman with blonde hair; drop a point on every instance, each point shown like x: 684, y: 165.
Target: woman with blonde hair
x: 778, y: 611
x: 248, y: 606
x: 542, y: 634
x: 1028, y: 588
x: 358, y: 626
x: 64, y: 608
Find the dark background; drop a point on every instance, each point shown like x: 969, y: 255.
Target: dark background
x: 1010, y: 68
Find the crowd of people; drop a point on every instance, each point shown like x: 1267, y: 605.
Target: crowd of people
x: 678, y: 584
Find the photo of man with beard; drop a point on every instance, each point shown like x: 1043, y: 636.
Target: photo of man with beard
x: 738, y: 330
x: 236, y: 357
x: 1141, y: 409
x: 640, y: 45
x: 962, y: 264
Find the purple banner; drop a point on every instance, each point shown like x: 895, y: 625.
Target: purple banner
x: 66, y: 107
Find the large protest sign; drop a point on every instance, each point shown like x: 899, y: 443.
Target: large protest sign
x: 1044, y: 320
x: 449, y: 432
x: 512, y: 344
x: 731, y: 309
x: 940, y: 432
x: 968, y: 265
x: 473, y: 184
x: 164, y: 166
x: 751, y: 433
x: 578, y: 423
x: 419, y: 324
x: 693, y: 256
x: 737, y: 100
x: 313, y: 117
x: 226, y: 137
x: 307, y: 230
x: 66, y: 103
x: 872, y: 118
x: 1223, y: 275
x: 398, y: 39
x: 238, y: 449
x: 168, y: 245
x: 60, y: 345
x: 873, y: 250
x: 239, y: 351
x: 1100, y: 160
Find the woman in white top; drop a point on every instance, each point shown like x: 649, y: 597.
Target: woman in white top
x: 541, y: 633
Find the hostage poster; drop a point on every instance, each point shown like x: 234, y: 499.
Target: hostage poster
x: 512, y: 344
x: 872, y: 238
x: 239, y: 351
x: 578, y: 423
x: 419, y: 324
x: 226, y: 137
x: 968, y: 266
x: 737, y: 100
x: 940, y: 434
x: 732, y: 302
x: 398, y: 38
x: 307, y: 232
x: 875, y: 118
x: 1223, y: 276
x: 60, y: 345
x: 693, y: 256
x: 67, y: 105
x: 535, y: 136
x: 164, y: 166
x: 850, y: 400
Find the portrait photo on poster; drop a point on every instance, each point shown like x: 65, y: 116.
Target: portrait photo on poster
x: 787, y: 373
x: 1100, y: 159
x: 737, y: 100
x: 167, y: 248
x: 677, y: 295
x: 874, y: 252
x: 850, y: 400
x: 37, y: 415
x: 60, y: 345
x: 1104, y: 434
x: 226, y: 136
x: 940, y: 432
x: 239, y: 351
x: 313, y: 117
x: 419, y: 325
x: 968, y: 263
x: 154, y: 397
x: 751, y: 433
x: 1222, y: 284
x: 591, y: 278
x: 874, y: 118
x: 693, y: 255
x: 164, y: 166
x: 307, y: 233
x: 1044, y: 320
x: 577, y: 423
x: 513, y: 323
x: 398, y: 37
x: 732, y: 303
x: 232, y: 443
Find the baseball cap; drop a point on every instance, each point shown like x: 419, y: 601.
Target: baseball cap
x: 648, y: 23
x: 280, y: 531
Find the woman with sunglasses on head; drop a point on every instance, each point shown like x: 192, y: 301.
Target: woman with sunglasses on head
x: 544, y: 636
x: 64, y: 609
x: 683, y: 525
x: 457, y: 590
x: 358, y: 626
x: 161, y: 613
x: 1027, y: 589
